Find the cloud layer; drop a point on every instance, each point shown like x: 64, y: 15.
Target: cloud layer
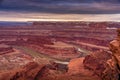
x: 23, y: 17
x: 60, y: 10
x: 63, y: 6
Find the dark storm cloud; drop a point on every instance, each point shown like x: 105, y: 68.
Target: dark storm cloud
x: 1, y: 1
x: 63, y: 6
x: 83, y: 1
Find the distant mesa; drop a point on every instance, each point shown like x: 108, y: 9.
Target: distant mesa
x: 5, y: 49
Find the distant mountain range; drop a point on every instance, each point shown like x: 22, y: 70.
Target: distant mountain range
x: 7, y: 23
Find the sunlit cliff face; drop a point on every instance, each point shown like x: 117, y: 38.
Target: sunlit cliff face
x: 59, y: 10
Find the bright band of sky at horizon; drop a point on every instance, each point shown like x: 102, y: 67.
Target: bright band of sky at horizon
x: 24, y: 16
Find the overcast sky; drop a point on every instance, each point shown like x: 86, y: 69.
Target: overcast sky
x: 27, y: 10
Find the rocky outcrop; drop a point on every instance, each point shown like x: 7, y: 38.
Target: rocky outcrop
x: 105, y: 64
x: 102, y: 65
x: 96, y: 62
x: 28, y: 72
x: 35, y: 71
x: 76, y: 67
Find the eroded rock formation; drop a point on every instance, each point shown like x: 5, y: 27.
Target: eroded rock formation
x: 96, y: 62
x: 28, y: 72
x: 106, y: 64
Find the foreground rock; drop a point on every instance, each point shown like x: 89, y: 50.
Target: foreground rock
x: 96, y: 62
x: 75, y: 71
x: 28, y: 72
x: 105, y: 64
x: 76, y: 67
